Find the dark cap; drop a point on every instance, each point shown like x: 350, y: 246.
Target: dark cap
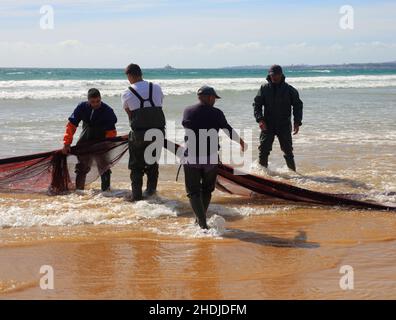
x: 207, y: 91
x: 275, y: 69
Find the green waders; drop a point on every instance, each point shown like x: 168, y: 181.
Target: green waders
x: 139, y: 166
x: 145, y: 118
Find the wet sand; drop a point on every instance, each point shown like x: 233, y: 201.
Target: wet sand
x: 292, y: 255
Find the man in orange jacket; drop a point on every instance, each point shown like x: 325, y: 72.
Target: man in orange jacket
x: 99, y: 122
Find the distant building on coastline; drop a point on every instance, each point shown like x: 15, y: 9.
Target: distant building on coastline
x: 169, y: 67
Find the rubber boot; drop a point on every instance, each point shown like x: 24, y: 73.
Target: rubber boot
x: 80, y: 181
x: 137, y: 183
x: 205, y: 198
x: 198, y: 208
x: 263, y: 161
x: 290, y: 162
x: 106, y: 179
x: 152, y: 181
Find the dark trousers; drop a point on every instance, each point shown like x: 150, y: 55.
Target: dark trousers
x: 139, y: 166
x: 83, y: 167
x: 267, y: 138
x: 200, y: 181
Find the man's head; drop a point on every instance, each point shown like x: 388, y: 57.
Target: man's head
x: 276, y: 73
x: 134, y: 73
x: 94, y: 98
x: 207, y: 95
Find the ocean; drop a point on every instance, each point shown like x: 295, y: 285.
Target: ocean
x: 347, y: 144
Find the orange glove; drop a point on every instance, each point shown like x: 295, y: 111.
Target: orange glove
x: 111, y: 133
x: 70, y: 131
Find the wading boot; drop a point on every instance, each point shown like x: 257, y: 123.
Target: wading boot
x: 80, y: 181
x: 137, y: 182
x: 197, y: 206
x: 205, y: 198
x: 106, y: 179
x: 290, y: 162
x: 263, y: 161
x: 152, y: 181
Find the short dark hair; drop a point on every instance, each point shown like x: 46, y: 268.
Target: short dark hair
x: 133, y: 70
x: 93, y: 93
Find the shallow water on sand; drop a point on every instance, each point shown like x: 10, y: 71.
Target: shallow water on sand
x: 290, y: 255
x: 103, y: 246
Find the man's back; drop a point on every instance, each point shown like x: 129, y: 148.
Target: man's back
x: 201, y: 116
x: 131, y: 101
x: 201, y: 119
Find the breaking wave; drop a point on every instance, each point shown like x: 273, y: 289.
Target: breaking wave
x: 61, y: 89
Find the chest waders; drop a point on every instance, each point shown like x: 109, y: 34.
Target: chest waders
x: 92, y: 133
x: 142, y: 120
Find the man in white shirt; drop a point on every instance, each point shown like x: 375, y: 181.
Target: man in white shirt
x: 142, y: 102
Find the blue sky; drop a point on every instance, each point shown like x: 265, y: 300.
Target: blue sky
x: 202, y: 33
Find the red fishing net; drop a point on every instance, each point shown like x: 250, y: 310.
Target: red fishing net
x: 54, y: 173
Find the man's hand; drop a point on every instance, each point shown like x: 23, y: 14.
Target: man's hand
x: 243, y: 145
x: 296, y: 129
x: 262, y: 125
x: 66, y: 149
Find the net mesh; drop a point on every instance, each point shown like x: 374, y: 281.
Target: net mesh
x: 55, y: 173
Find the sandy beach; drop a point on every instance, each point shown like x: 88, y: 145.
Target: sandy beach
x: 282, y: 257
x: 100, y: 245
x: 286, y: 252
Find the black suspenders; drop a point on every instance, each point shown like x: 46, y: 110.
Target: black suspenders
x: 142, y: 101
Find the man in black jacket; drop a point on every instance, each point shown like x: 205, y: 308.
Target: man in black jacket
x: 277, y: 99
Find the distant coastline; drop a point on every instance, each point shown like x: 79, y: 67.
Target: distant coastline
x: 350, y: 66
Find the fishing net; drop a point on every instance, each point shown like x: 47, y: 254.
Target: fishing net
x: 55, y: 173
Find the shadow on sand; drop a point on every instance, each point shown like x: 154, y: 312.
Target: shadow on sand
x: 299, y: 241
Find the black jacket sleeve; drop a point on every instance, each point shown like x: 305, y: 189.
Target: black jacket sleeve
x: 297, y: 106
x: 258, y: 105
x: 226, y: 127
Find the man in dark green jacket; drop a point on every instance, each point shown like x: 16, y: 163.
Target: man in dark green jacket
x: 272, y: 110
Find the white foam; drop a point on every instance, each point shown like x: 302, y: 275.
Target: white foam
x: 59, y: 89
x: 246, y: 211
x: 342, y: 181
x: 86, y: 207
x: 91, y: 207
x: 191, y: 230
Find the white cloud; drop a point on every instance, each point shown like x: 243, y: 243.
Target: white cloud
x: 74, y: 53
x: 70, y: 43
x: 309, y: 35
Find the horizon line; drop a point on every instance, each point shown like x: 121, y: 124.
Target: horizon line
x: 211, y: 68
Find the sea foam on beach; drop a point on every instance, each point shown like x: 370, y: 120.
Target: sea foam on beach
x: 92, y: 207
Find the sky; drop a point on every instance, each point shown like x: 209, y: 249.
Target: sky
x: 195, y: 33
